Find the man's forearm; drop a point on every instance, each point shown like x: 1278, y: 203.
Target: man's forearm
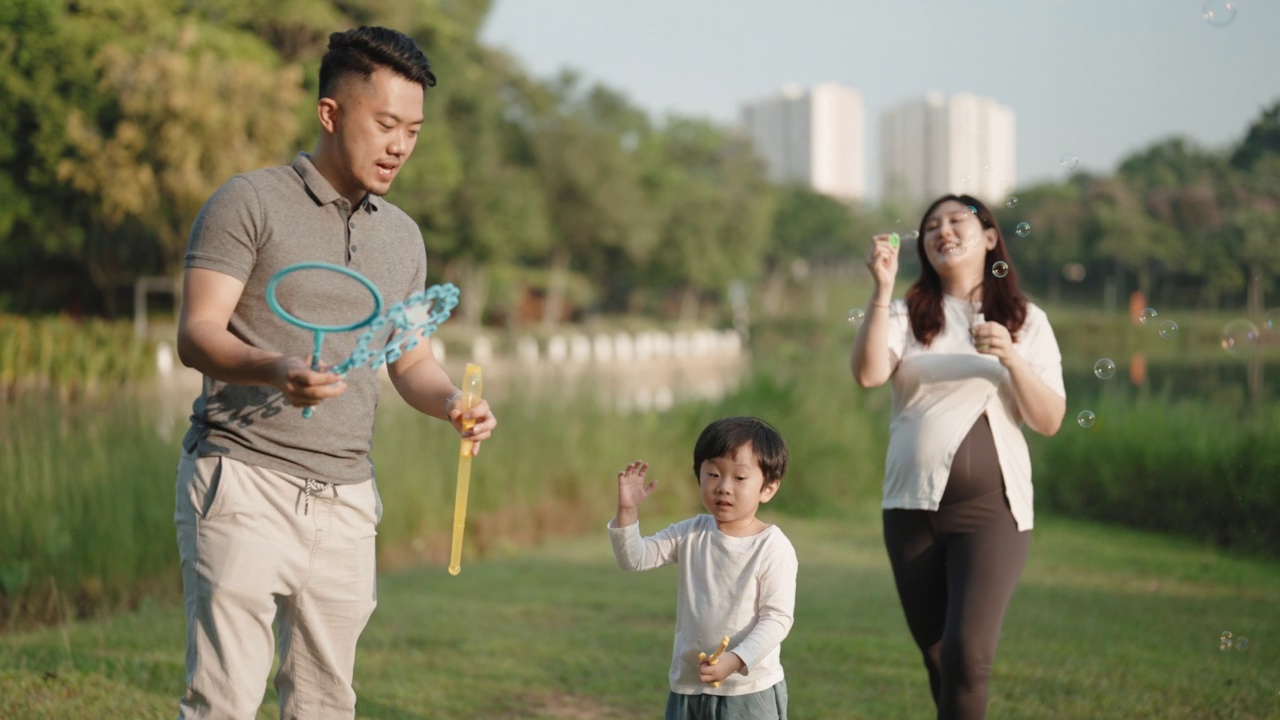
x: 425, y: 386
x: 218, y: 353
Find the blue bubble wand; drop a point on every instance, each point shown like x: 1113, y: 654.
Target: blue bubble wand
x: 403, y: 324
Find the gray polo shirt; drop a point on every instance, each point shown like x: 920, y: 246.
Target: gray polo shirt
x: 254, y: 225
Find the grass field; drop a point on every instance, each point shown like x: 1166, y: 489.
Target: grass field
x: 1107, y: 623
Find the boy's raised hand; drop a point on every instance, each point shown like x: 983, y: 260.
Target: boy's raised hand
x: 632, y: 491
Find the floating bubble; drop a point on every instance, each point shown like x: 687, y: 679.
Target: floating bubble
x: 1271, y: 323
x: 1224, y: 641
x: 1069, y: 161
x: 1218, y: 13
x: 1012, y: 202
x: 1086, y: 418
x: 972, y: 210
x: 1023, y: 229
x: 1105, y: 368
x: 1000, y: 268
x: 1147, y: 315
x: 1242, y: 643
x: 856, y: 316
x: 1168, y: 329
x: 910, y: 236
x: 1240, y: 337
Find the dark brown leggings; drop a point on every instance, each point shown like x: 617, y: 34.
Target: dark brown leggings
x: 956, y: 568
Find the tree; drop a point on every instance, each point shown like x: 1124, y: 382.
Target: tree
x: 1261, y: 140
x: 190, y: 109
x: 717, y: 212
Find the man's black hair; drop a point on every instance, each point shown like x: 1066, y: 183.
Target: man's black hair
x: 361, y: 51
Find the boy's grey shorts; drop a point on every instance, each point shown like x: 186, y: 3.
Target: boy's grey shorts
x: 770, y: 704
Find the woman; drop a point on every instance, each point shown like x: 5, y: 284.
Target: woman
x: 970, y: 360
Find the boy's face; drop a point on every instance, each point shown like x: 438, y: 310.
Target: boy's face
x: 733, y: 487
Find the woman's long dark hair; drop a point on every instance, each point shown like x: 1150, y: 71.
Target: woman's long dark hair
x: 1002, y: 300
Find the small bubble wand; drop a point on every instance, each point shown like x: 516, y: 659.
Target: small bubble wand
x: 472, y: 384
x: 715, y: 656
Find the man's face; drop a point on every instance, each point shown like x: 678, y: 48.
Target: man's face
x: 376, y: 128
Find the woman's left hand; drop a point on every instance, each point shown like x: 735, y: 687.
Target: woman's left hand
x: 992, y: 338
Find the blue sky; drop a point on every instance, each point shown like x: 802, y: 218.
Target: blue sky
x: 1096, y: 78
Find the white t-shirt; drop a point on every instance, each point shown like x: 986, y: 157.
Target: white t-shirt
x: 941, y: 390
x: 743, y: 587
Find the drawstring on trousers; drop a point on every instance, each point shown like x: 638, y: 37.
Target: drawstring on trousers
x: 312, y: 487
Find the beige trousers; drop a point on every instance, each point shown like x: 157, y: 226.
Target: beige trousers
x: 259, y: 546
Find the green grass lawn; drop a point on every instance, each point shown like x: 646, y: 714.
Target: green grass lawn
x: 1107, y: 623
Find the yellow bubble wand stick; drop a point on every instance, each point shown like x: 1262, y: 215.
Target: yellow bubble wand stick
x: 715, y: 656
x: 472, y: 384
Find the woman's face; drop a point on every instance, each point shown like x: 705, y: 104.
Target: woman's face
x: 954, y: 239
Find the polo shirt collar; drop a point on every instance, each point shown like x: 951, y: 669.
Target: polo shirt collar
x: 320, y: 188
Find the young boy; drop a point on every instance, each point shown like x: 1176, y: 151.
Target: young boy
x: 737, y: 574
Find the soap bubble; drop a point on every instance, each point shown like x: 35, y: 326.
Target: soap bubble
x: 1224, y: 641
x: 1086, y: 418
x: 972, y: 210
x: 1272, y: 321
x: 1240, y: 337
x: 1242, y: 643
x: 1218, y: 13
x: 1000, y: 268
x: 1105, y: 368
x: 1147, y: 315
x: 856, y: 316
x: 1069, y: 161
x: 1168, y: 329
x: 1023, y: 229
x: 1012, y: 202
x: 909, y: 236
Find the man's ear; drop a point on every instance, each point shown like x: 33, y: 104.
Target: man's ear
x: 328, y: 111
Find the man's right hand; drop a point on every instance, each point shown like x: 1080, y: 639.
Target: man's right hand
x: 302, y: 386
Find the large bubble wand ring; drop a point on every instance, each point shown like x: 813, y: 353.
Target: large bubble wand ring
x: 398, y: 330
x: 472, y: 384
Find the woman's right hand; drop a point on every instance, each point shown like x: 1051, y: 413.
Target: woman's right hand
x: 882, y: 261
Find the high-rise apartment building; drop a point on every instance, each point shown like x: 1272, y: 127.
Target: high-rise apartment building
x: 814, y: 136
x: 935, y: 145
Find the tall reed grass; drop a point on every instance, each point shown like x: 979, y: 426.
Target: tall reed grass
x: 1187, y: 467
x: 70, y: 357
x: 87, y: 487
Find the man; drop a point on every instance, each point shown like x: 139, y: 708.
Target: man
x: 276, y: 513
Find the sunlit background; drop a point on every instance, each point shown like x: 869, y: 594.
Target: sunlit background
x: 657, y: 214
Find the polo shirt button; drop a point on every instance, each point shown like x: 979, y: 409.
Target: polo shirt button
x: 354, y: 248
x: 352, y: 224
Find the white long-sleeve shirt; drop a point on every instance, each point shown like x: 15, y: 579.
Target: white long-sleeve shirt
x: 939, y: 391
x: 743, y: 587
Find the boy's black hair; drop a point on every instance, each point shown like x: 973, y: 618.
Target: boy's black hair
x: 360, y: 51
x: 724, y: 437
